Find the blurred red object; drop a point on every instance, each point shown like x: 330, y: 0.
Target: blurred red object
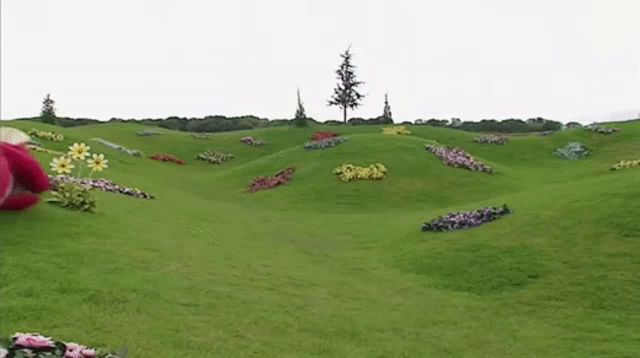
x: 21, y: 178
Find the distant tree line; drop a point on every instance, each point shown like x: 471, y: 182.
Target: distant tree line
x: 511, y: 125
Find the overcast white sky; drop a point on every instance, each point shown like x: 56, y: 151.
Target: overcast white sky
x: 560, y: 59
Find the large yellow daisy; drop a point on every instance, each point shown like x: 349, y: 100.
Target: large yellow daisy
x: 62, y: 165
x: 98, y: 163
x: 79, y: 151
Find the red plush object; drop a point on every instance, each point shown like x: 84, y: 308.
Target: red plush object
x: 21, y: 178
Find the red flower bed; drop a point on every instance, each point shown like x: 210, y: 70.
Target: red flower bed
x: 167, y: 158
x: 323, y: 135
x: 263, y: 183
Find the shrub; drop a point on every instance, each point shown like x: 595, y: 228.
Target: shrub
x: 280, y: 178
x: 625, y: 164
x: 349, y: 172
x: 572, y: 151
x: 52, y: 136
x: 458, y: 158
x: 320, y: 135
x: 251, y: 141
x: 98, y: 184
x: 466, y: 219
x: 132, y: 152
x: 325, y: 143
x: 34, y: 345
x: 202, y: 135
x: 491, y: 139
x: 147, y: 133
x: 214, y: 157
x: 73, y: 197
x: 600, y: 129
x: 167, y: 158
x: 401, y: 130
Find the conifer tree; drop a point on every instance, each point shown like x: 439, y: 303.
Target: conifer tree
x: 346, y: 95
x: 300, y: 120
x: 387, y: 117
x: 48, y: 113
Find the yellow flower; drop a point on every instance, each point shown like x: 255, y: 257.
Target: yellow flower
x: 79, y: 151
x: 97, y: 163
x: 62, y: 165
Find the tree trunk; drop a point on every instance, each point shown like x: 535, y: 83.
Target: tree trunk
x: 344, y: 114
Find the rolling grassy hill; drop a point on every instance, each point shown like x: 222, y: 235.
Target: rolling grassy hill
x: 323, y: 268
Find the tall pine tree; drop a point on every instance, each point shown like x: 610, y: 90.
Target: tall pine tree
x: 387, y: 117
x: 346, y: 95
x: 48, y: 113
x: 300, y: 120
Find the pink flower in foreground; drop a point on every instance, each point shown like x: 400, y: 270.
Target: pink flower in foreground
x: 75, y: 350
x: 88, y: 353
x: 35, y: 341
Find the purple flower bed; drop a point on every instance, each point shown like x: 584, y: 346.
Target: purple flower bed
x: 466, y: 219
x: 458, y: 158
x: 99, y: 184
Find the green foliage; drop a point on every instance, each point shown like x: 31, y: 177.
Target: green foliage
x: 73, y: 197
x: 48, y: 113
x: 572, y: 151
x: 300, y: 119
x: 346, y: 95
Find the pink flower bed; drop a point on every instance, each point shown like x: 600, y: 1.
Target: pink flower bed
x: 264, y: 183
x: 37, y: 346
x: 458, y: 158
x: 168, y: 158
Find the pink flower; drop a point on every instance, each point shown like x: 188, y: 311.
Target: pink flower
x: 29, y: 340
x: 88, y: 353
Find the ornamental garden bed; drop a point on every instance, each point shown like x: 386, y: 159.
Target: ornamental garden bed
x: 34, y: 345
x: 491, y: 139
x: 279, y: 178
x: 572, y: 151
x: 466, y: 219
x: 626, y: 164
x: 350, y: 172
x: 325, y: 143
x: 98, y: 184
x: 52, y: 136
x: 118, y: 147
x: 458, y: 158
x: 600, y: 129
x: 167, y: 158
x: 205, y: 136
x: 147, y: 133
x: 249, y: 140
x: 214, y: 157
x: 320, y: 135
x: 399, y: 130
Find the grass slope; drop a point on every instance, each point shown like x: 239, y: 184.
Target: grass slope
x: 323, y: 268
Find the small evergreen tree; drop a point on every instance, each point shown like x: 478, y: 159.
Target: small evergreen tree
x: 387, y: 117
x: 48, y: 113
x: 345, y: 95
x: 300, y: 120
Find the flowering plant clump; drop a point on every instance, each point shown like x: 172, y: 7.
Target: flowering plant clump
x: 98, y: 184
x: 147, y: 133
x: 70, y: 195
x: 457, y: 158
x: 625, y: 164
x: 251, y: 141
x: 401, y: 130
x: 600, y: 129
x: 202, y: 135
x: 34, y: 345
x: 280, y: 178
x: 320, y: 135
x: 466, y: 219
x: 52, y: 136
x: 214, y: 157
x: 325, y: 143
x: 132, y: 152
x: 349, y: 172
x: 40, y: 149
x: 167, y: 158
x: 572, y: 151
x: 491, y: 139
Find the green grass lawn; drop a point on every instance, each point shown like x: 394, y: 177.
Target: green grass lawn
x: 322, y: 268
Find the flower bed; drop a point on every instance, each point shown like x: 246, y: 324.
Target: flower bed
x: 491, y: 139
x: 251, y: 141
x: 202, y: 135
x: 147, y: 133
x: 98, y: 184
x: 325, y: 143
x: 466, y: 219
x: 214, y: 157
x: 52, y: 136
x: 458, y: 158
x: 34, y: 345
x: 320, y: 135
x: 349, y: 172
x: 39, y: 149
x: 572, y: 151
x: 600, y: 129
x: 401, y: 130
x: 280, y: 178
x: 625, y: 164
x: 132, y: 152
x: 167, y: 158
